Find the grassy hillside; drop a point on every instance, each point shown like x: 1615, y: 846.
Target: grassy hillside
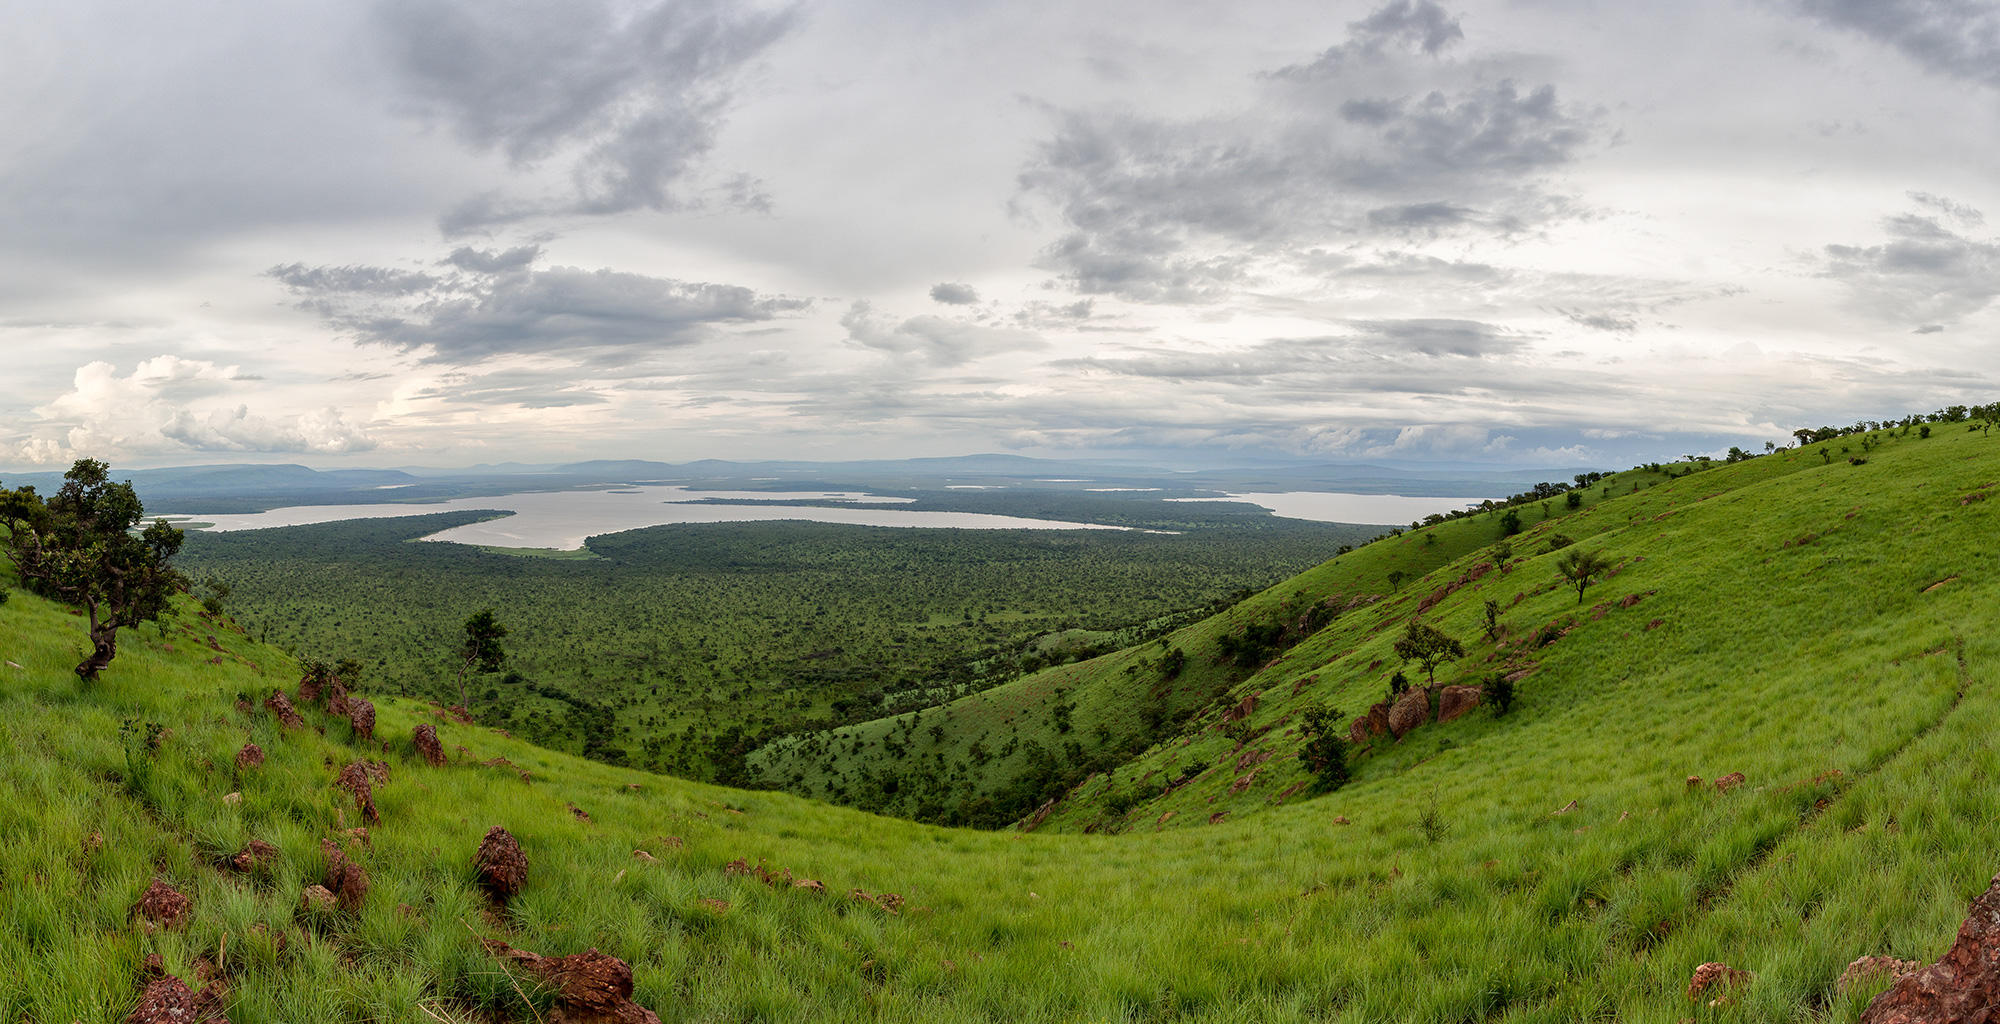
x: 1814, y: 618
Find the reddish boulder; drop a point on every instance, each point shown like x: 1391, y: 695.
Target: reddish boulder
x: 354, y: 779
x: 459, y: 714
x: 1629, y: 600
x: 310, y: 689
x: 162, y: 904
x: 1729, y: 782
x: 426, y: 739
x: 1244, y: 709
x: 361, y: 715
x: 1358, y: 731
x: 344, y: 878
x: 1412, y: 709
x: 281, y: 706
x: 1457, y: 700
x: 167, y: 999
x: 1378, y: 718
x: 502, y: 867
x: 590, y: 987
x: 1964, y: 985
x: 251, y: 756
x: 255, y: 855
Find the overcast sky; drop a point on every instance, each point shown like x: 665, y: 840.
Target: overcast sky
x: 444, y: 232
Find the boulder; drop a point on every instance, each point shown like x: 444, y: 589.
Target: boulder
x: 1964, y: 985
x: 1457, y: 700
x: 256, y: 854
x: 590, y: 987
x: 344, y: 878
x: 1412, y: 709
x: 354, y: 779
x: 1358, y: 732
x: 1729, y: 782
x: 1378, y: 718
x: 168, y: 1000
x: 162, y: 904
x: 502, y: 867
x: 281, y: 706
x: 426, y: 739
x: 361, y: 715
x: 251, y: 756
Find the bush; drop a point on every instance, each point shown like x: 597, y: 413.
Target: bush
x: 1573, y: 500
x: 1510, y: 523
x: 1499, y: 694
x: 1325, y: 751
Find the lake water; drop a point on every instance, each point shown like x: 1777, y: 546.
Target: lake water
x: 562, y: 519
x: 1329, y: 507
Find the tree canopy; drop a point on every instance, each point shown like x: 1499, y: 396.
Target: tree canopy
x: 1428, y: 646
x: 1581, y: 569
x: 80, y: 547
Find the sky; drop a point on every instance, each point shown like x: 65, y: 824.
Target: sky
x: 1518, y: 232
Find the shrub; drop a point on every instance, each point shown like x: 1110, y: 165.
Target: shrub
x: 1510, y: 522
x: 1573, y: 499
x: 1499, y: 694
x: 1325, y: 751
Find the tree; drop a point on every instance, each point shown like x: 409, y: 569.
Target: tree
x: 481, y: 647
x: 1396, y: 578
x: 1581, y: 569
x: 1325, y: 752
x: 1428, y: 646
x: 1510, y: 522
x: 78, y: 547
x: 1493, y: 620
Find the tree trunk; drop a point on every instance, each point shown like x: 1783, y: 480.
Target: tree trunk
x: 104, y: 640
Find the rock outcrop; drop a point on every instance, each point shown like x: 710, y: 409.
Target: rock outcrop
x: 1378, y: 718
x: 502, y: 867
x: 168, y: 1000
x: 163, y: 905
x: 1964, y: 985
x: 354, y: 779
x: 426, y: 739
x: 1412, y: 709
x: 361, y: 715
x: 251, y: 756
x: 1457, y: 700
x: 256, y: 854
x: 590, y: 987
x: 344, y: 879
x: 281, y: 706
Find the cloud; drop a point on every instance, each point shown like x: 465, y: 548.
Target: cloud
x: 149, y: 411
x: 1191, y: 210
x: 1957, y: 38
x: 1925, y: 271
x: 954, y: 294
x: 939, y: 341
x: 498, y: 304
x: 627, y: 99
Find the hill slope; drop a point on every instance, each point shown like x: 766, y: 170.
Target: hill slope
x: 1455, y: 894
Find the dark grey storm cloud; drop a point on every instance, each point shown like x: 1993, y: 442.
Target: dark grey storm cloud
x: 1180, y: 210
x: 514, y: 309
x: 1960, y: 38
x: 1925, y: 271
x: 627, y: 100
x: 954, y: 294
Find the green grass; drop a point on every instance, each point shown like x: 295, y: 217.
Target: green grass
x: 1783, y: 662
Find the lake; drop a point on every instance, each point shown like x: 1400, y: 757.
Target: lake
x: 1333, y: 507
x: 561, y: 520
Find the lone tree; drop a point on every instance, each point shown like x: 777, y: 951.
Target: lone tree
x: 1325, y: 753
x: 481, y: 648
x: 1428, y: 646
x: 79, y: 547
x: 1581, y: 569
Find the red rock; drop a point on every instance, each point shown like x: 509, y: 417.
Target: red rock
x: 426, y: 739
x: 1964, y: 985
x: 1718, y: 977
x: 1630, y: 599
x: 1729, y: 782
x: 167, y: 1000
x: 1870, y: 968
x: 1656, y: 623
x: 1457, y: 700
x: 1358, y: 731
x: 1244, y: 709
x: 251, y: 756
x: 254, y: 855
x: 1216, y: 818
x: 1378, y: 718
x: 344, y: 879
x: 1412, y: 709
x: 459, y: 714
x: 502, y: 867
x: 281, y: 706
x: 163, y: 904
x: 361, y: 715
x: 354, y: 779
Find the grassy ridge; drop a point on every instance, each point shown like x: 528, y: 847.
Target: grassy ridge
x: 1783, y: 662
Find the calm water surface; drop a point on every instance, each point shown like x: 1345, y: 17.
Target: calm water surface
x: 562, y: 519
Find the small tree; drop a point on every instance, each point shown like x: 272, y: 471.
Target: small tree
x: 1581, y: 569
x: 1428, y: 646
x: 481, y: 647
x: 1510, y: 522
x: 78, y: 547
x: 1325, y: 752
x: 1396, y: 578
x: 1492, y: 620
